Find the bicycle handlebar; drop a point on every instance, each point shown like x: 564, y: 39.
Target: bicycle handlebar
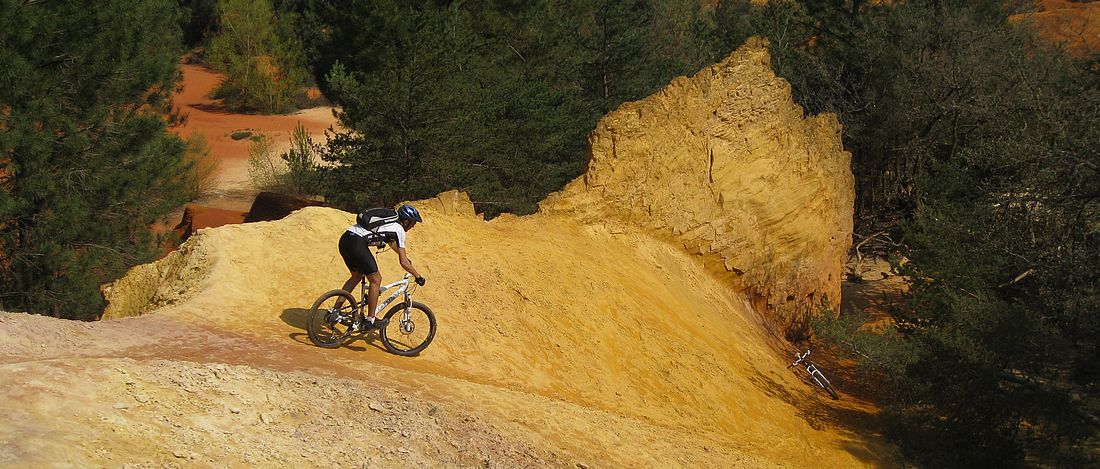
x: 801, y: 357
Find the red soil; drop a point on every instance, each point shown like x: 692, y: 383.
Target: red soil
x: 229, y: 193
x: 208, y: 117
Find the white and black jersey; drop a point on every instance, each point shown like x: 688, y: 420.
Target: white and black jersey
x: 379, y: 225
x: 373, y: 227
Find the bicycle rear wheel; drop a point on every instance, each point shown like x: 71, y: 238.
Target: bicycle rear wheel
x: 408, y: 337
x: 328, y: 326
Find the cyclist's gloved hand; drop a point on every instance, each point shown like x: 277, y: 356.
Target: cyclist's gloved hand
x: 420, y: 281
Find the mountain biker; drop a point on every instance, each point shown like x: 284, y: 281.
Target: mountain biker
x: 376, y: 227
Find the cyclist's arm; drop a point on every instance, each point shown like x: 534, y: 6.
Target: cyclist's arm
x: 406, y: 263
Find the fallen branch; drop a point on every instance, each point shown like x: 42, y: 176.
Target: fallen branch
x: 1018, y: 278
x: 859, y: 255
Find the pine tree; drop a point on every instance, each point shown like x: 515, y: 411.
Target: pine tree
x: 494, y: 98
x: 260, y: 57
x: 86, y: 164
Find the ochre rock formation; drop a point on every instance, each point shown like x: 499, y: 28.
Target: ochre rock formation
x: 585, y: 331
x: 621, y: 341
x: 175, y: 277
x: 727, y: 164
x: 1074, y: 25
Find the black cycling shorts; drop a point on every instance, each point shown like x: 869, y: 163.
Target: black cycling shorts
x: 355, y: 250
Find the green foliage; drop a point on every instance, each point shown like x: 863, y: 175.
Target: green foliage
x: 86, y: 166
x: 614, y: 35
x: 203, y: 165
x: 881, y: 350
x: 199, y: 18
x: 299, y: 160
x: 258, y: 53
x: 983, y: 141
x: 435, y: 103
x: 493, y: 98
x: 291, y: 172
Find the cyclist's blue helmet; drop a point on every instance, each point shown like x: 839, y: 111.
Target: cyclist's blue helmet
x: 408, y: 212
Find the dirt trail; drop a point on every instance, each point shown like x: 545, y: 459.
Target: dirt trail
x: 231, y: 187
x: 140, y: 393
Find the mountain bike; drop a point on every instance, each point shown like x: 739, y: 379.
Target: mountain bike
x: 814, y: 372
x: 407, y: 328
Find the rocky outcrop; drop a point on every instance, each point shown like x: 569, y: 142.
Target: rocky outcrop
x: 726, y: 164
x: 274, y: 206
x: 196, y: 217
x: 172, y: 279
x: 1072, y: 25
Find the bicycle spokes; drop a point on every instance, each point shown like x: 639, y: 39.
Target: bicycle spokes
x: 328, y: 325
x: 410, y: 329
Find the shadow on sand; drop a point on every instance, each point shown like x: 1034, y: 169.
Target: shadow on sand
x: 299, y: 317
x: 859, y: 427
x: 295, y: 317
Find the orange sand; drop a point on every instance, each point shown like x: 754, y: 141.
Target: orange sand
x: 208, y: 117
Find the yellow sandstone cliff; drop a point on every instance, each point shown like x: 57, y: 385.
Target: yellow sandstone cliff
x: 726, y: 163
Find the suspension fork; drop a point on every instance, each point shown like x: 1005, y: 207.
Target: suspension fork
x: 408, y: 303
x: 817, y: 375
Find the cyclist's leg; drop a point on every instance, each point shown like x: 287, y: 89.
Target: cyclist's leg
x: 357, y: 257
x: 372, y: 293
x: 349, y: 286
x: 369, y: 268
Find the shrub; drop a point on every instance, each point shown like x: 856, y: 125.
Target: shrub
x: 262, y: 163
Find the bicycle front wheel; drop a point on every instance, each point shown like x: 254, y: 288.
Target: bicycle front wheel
x: 408, y: 336
x: 327, y: 325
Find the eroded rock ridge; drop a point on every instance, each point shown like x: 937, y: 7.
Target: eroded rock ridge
x: 726, y: 163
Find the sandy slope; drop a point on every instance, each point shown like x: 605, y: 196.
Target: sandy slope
x: 588, y: 351
x: 157, y: 392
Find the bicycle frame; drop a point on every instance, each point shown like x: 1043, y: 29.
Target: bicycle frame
x: 403, y: 285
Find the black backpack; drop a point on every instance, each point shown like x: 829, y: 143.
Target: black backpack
x: 372, y: 218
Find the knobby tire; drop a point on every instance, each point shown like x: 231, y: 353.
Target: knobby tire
x: 323, y: 332
x: 408, y: 340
